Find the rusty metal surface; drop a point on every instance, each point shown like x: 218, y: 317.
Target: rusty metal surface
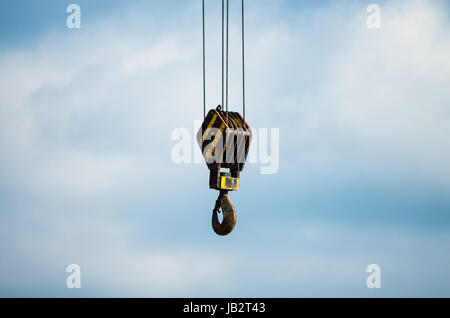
x: 235, y: 132
x: 224, y: 139
x: 224, y: 204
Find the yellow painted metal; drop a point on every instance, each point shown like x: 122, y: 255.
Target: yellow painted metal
x: 209, y: 128
x: 229, y: 183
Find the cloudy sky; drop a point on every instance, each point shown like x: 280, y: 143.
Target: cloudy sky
x: 86, y: 174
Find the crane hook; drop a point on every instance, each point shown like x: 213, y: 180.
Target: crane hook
x: 229, y: 215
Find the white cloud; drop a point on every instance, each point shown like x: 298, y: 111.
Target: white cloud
x: 82, y: 174
x: 345, y: 95
x: 86, y: 120
x: 165, y: 52
x: 388, y: 88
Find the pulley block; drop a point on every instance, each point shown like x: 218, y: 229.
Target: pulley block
x: 224, y: 139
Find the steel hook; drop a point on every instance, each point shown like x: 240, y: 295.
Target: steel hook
x: 229, y: 215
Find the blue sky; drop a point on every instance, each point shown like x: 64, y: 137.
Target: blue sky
x: 86, y: 175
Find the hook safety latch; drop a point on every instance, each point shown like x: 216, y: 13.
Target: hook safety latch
x: 229, y: 215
